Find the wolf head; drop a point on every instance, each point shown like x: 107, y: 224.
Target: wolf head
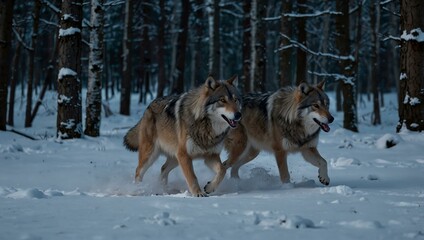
x: 314, y: 106
x: 223, y: 101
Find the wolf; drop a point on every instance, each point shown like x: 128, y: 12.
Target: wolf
x: 186, y: 127
x: 286, y: 121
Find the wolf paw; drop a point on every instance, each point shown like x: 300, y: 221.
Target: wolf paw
x: 200, y: 195
x: 324, y: 180
x: 208, y: 188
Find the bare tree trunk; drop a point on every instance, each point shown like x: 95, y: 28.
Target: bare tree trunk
x: 285, y: 55
x: 13, y: 80
x: 35, y: 24
x: 348, y: 81
x: 246, y: 46
x: 47, y: 80
x: 358, y: 45
x: 214, y: 42
x: 260, y: 46
x: 411, y: 82
x: 253, y: 31
x: 375, y: 48
x: 198, y: 63
x: 181, y: 48
x: 301, y: 65
x: 161, y: 49
x: 125, y: 101
x: 95, y: 70
x: 69, y: 112
x: 6, y: 16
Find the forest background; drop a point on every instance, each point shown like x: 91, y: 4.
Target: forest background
x: 154, y: 48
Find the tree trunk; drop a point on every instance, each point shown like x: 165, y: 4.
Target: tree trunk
x: 285, y: 55
x: 246, y: 46
x: 181, y: 48
x: 358, y: 45
x: 35, y: 24
x: 161, y: 49
x: 13, y: 80
x: 411, y: 82
x: 301, y: 64
x: 125, y: 100
x: 260, y: 47
x: 95, y: 70
x: 375, y: 48
x: 346, y: 67
x: 214, y: 42
x: 198, y: 70
x: 69, y: 112
x: 47, y: 80
x: 6, y: 16
x: 253, y: 54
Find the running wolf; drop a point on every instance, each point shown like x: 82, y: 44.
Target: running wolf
x: 185, y: 127
x: 286, y: 121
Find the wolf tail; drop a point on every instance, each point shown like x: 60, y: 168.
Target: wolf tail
x: 131, y: 138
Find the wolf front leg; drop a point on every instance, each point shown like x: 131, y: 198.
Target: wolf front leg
x: 312, y: 156
x: 186, y: 164
x: 214, y: 163
x: 281, y: 158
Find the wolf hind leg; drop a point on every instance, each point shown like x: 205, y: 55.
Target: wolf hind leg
x: 235, y: 144
x: 312, y: 156
x: 167, y: 167
x: 248, y: 156
x: 147, y: 154
x: 214, y: 163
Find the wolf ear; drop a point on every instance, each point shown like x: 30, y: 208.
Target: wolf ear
x: 304, y: 88
x: 211, y: 83
x: 321, y: 85
x: 233, y: 80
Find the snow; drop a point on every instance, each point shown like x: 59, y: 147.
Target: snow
x: 83, y: 188
x: 63, y: 72
x: 68, y: 31
x: 414, y: 35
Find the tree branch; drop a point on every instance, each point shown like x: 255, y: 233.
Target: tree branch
x: 306, y: 49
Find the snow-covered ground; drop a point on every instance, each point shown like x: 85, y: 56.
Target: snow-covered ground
x: 83, y: 189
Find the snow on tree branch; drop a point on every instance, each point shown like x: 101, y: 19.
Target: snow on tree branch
x: 52, y: 6
x: 18, y: 36
x: 297, y: 15
x: 306, y: 49
x: 337, y: 77
x: 414, y: 35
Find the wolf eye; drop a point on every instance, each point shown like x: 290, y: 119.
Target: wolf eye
x: 222, y: 100
x: 315, y: 105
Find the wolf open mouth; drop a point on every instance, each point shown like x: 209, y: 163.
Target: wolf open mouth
x: 324, y: 126
x: 232, y: 123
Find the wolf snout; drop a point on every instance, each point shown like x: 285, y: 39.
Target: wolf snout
x: 237, y: 116
x: 330, y: 119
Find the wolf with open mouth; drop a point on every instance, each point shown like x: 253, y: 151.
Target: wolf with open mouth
x: 185, y: 127
x: 286, y: 121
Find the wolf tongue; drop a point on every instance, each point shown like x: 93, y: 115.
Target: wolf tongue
x: 325, y: 127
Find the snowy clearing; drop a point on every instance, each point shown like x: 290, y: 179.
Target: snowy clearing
x: 83, y: 189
